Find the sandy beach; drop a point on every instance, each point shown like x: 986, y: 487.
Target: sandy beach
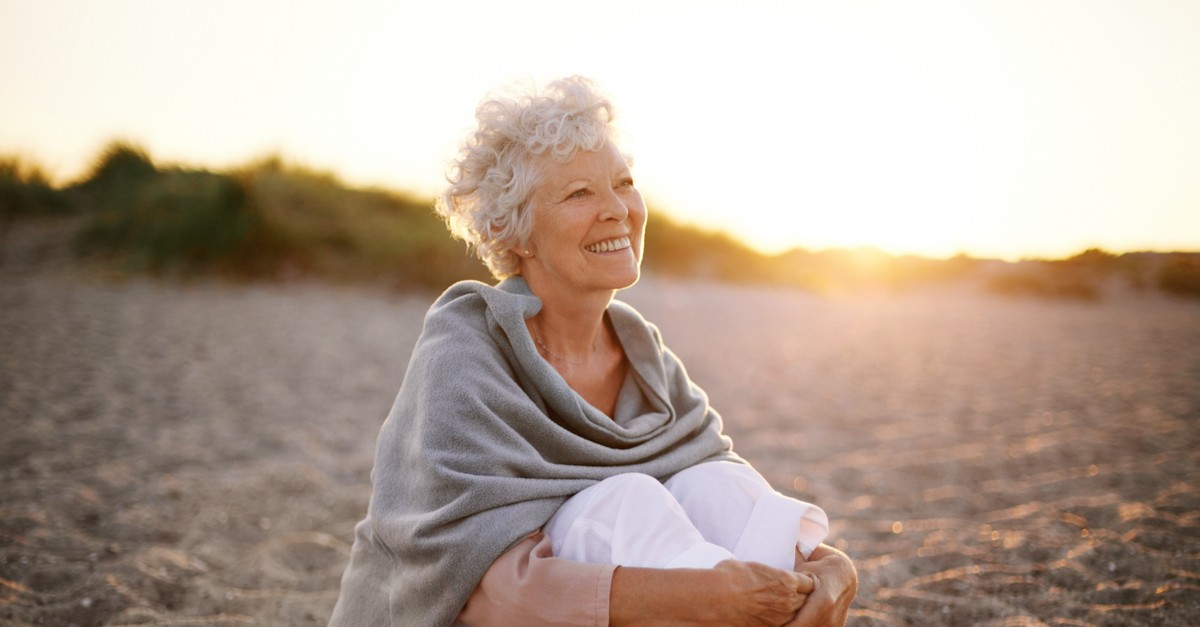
x: 198, y: 453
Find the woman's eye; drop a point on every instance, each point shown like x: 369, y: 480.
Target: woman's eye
x: 579, y: 193
x: 626, y: 183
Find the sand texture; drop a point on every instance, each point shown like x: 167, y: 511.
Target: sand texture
x: 198, y: 454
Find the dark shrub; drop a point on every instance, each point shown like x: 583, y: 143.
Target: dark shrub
x: 26, y: 190
x: 178, y: 220
x: 120, y: 163
x: 116, y: 177
x: 1045, y: 279
x: 1180, y: 276
x: 324, y: 228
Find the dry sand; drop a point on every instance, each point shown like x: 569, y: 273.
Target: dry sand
x: 198, y: 454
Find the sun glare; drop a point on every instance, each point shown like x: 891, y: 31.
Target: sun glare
x: 858, y: 152
x: 933, y: 128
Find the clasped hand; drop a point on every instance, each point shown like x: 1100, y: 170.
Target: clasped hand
x: 817, y: 594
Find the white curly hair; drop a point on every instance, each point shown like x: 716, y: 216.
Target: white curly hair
x: 492, y: 179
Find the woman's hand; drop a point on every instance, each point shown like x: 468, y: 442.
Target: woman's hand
x: 756, y: 594
x: 836, y: 583
x: 737, y: 594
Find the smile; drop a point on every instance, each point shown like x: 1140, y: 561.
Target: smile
x: 609, y: 245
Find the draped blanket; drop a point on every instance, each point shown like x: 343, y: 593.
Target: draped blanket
x: 486, y: 440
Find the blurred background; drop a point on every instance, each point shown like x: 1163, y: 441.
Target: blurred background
x: 793, y: 142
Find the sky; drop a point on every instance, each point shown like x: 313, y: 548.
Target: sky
x: 1008, y: 129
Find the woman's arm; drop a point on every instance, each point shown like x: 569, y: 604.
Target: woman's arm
x: 734, y: 593
x: 527, y: 585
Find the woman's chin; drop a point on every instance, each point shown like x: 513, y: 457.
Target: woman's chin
x: 627, y: 277
x: 633, y: 281
x: 615, y: 282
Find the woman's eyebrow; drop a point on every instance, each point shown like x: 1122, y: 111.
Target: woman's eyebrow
x: 574, y: 183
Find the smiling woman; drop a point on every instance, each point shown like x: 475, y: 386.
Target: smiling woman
x: 588, y: 226
x: 548, y: 461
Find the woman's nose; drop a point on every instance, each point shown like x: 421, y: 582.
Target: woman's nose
x: 614, y: 208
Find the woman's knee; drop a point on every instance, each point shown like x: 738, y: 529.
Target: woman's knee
x: 623, y: 497
x: 605, y: 499
x: 720, y: 477
x: 633, y: 483
x: 629, y: 494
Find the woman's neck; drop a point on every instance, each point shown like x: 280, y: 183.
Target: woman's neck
x: 571, y: 336
x: 570, y: 326
x: 570, y: 329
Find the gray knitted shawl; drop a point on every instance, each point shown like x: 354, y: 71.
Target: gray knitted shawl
x: 486, y: 440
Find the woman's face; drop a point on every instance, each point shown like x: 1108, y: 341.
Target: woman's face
x: 588, y: 225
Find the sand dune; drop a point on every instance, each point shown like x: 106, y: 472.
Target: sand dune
x: 198, y: 454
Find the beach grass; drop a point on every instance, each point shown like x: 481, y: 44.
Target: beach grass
x: 275, y: 219
x: 26, y: 190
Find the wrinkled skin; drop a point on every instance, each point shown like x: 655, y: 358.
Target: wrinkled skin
x: 760, y: 595
x: 738, y: 594
x: 835, y: 584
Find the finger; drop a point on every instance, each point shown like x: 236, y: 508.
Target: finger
x: 796, y: 600
x: 801, y: 599
x: 805, y: 583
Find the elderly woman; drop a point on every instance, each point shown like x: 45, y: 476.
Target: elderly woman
x: 547, y: 460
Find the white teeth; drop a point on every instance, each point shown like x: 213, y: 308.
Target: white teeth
x: 608, y: 246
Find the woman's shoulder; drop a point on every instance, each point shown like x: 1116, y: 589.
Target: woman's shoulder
x: 456, y: 345
x: 459, y: 317
x: 630, y: 324
x: 461, y: 303
x: 473, y: 303
x: 469, y: 318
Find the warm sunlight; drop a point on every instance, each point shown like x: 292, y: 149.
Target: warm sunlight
x: 811, y: 155
x: 894, y: 322
x: 930, y: 128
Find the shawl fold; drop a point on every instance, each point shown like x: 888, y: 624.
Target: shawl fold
x: 486, y: 440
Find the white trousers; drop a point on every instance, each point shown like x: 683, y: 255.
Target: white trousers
x: 698, y: 518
